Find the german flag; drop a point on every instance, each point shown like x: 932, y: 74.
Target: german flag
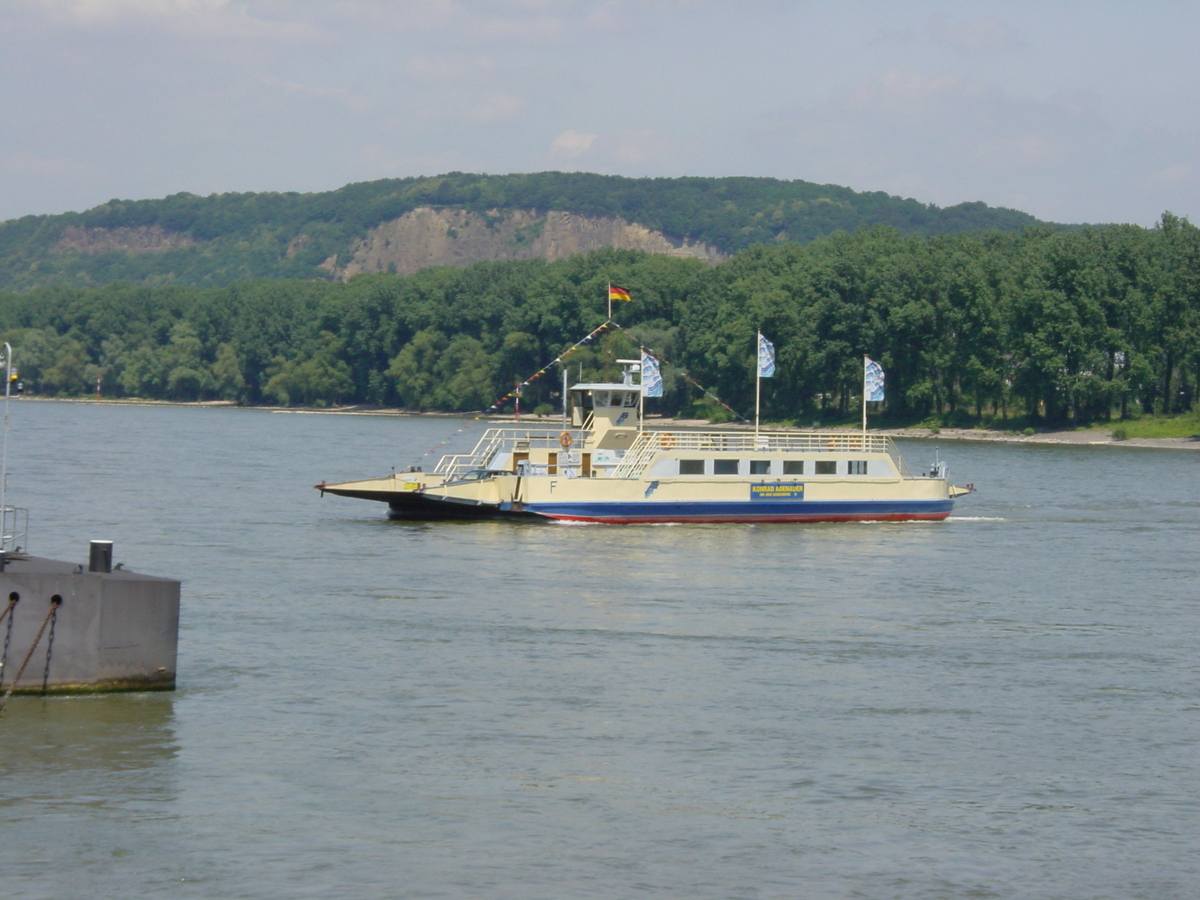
x: 618, y: 293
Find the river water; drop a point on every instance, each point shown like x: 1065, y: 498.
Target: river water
x: 1005, y: 704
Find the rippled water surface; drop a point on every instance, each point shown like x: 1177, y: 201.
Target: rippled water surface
x: 1006, y: 704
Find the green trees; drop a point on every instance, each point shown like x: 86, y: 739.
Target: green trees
x: 1062, y: 326
x: 224, y: 239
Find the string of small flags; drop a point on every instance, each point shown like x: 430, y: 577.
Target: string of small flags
x: 445, y: 443
x: 688, y: 378
x: 513, y: 393
x: 607, y: 326
x: 610, y: 324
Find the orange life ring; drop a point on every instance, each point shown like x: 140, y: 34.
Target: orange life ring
x: 565, y: 440
x: 666, y: 440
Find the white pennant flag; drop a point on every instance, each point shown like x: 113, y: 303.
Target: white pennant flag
x: 873, y: 380
x: 766, y: 357
x: 652, y: 383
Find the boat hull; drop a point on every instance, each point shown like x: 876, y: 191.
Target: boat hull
x: 802, y: 511
x: 667, y: 478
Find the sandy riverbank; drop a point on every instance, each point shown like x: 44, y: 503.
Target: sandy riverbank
x: 1091, y: 436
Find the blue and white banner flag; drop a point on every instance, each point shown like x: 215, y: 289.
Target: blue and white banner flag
x: 873, y: 380
x: 766, y: 357
x: 652, y: 383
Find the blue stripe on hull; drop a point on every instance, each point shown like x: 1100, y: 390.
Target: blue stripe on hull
x: 747, y: 511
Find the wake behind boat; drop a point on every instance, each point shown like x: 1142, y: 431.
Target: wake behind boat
x: 606, y: 467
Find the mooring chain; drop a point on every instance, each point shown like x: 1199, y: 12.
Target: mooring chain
x: 54, y: 604
x: 49, y: 644
x: 12, y: 601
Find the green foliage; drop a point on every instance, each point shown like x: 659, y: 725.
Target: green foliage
x: 1043, y: 327
x: 225, y: 238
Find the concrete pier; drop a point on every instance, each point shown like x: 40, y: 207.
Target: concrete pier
x: 100, y: 630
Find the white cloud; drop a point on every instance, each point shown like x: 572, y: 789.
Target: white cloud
x: 91, y: 10
x: 986, y: 35
x: 495, y: 107
x: 1179, y: 175
x: 449, y: 67
x: 206, y: 18
x: 349, y: 99
x: 908, y: 92
x: 649, y: 150
x: 571, y: 144
x: 26, y: 163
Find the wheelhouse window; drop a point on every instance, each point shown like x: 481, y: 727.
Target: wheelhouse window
x: 760, y: 467
x: 725, y: 466
x: 826, y: 467
x: 856, y: 467
x: 793, y: 467
x: 691, y: 467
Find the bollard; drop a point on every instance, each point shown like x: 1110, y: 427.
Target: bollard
x: 100, y: 556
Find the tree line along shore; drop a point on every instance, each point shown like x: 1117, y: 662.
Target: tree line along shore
x: 1042, y: 326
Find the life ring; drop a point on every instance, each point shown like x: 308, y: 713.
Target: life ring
x: 666, y: 440
x: 565, y: 440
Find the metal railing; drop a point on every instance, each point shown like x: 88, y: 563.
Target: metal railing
x: 14, y: 529
x: 650, y: 443
x: 500, y: 441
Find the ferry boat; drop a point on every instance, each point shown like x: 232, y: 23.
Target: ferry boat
x: 605, y: 466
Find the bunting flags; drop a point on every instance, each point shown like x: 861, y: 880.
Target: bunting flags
x: 618, y: 293
x: 546, y: 368
x: 652, y: 383
x: 872, y: 380
x: 766, y: 357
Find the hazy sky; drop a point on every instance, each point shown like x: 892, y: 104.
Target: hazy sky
x: 1072, y: 111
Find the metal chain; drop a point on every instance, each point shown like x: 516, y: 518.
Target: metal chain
x: 50, y: 644
x: 12, y: 602
x: 54, y: 602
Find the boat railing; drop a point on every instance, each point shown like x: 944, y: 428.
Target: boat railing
x: 497, y: 441
x: 649, y: 444
x: 14, y: 529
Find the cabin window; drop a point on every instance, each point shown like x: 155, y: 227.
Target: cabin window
x: 600, y: 398
x: 826, y: 467
x: 760, y: 467
x: 631, y: 400
x: 725, y: 466
x: 793, y: 467
x: 691, y: 467
x: 856, y: 467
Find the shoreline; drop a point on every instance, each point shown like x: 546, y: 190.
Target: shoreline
x: 1092, y: 437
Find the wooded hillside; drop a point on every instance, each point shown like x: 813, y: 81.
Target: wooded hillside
x: 1058, y: 325
x: 221, y: 239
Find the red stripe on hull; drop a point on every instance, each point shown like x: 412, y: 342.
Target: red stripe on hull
x: 664, y: 520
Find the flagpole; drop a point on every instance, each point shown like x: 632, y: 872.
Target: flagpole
x: 865, y: 358
x: 641, y: 388
x: 610, y: 301
x: 757, y: 384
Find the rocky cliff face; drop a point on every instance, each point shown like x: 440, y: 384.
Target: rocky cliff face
x: 132, y: 241
x: 455, y: 237
x: 429, y: 237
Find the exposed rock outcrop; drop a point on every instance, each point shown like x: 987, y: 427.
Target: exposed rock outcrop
x: 456, y: 237
x: 133, y: 241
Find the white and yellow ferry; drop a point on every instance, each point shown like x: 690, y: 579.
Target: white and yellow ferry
x: 606, y: 467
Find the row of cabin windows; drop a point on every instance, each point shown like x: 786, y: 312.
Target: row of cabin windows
x: 764, y: 467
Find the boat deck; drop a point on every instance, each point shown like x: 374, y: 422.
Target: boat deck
x: 498, y: 442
